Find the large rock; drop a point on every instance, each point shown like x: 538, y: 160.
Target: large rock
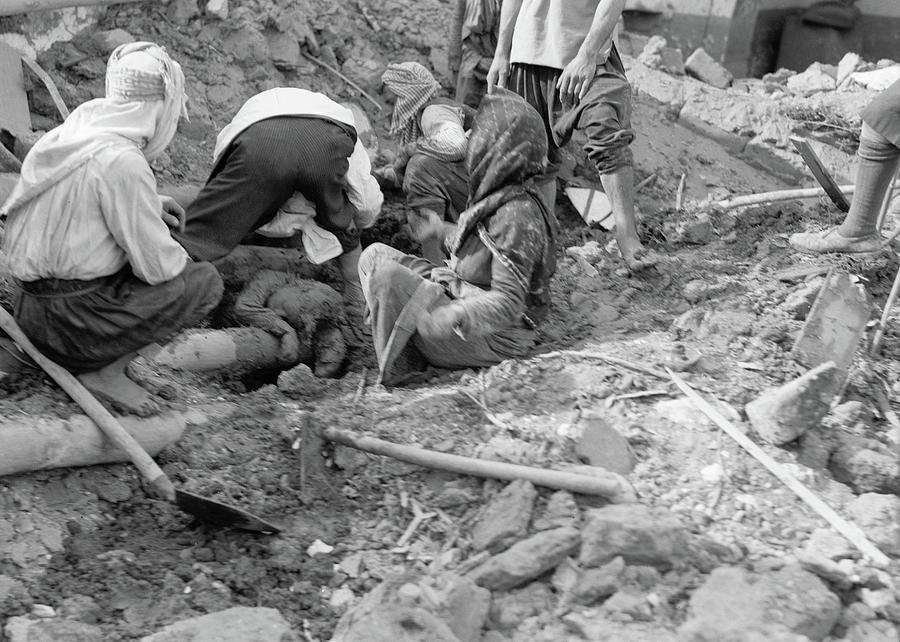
x: 505, y: 519
x: 237, y: 624
x: 780, y: 415
x: 509, y: 609
x: 408, y: 608
x: 815, y: 79
x: 734, y: 602
x: 640, y: 534
x: 879, y: 518
x: 561, y: 510
x: 587, y: 585
x: 602, y: 445
x: 704, y: 67
x: 25, y: 629
x: 658, y: 85
x: 865, y: 465
x: 527, y: 559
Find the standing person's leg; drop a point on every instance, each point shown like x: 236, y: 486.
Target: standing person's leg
x: 878, y: 159
x: 535, y: 84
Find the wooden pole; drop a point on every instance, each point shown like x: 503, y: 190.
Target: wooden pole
x: 612, y: 486
x: 849, y: 530
x: 781, y: 195
x: 13, y: 7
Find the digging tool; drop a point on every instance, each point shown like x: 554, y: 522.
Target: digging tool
x: 404, y: 328
x: 201, y: 507
x: 875, y: 348
x: 888, y: 197
x: 821, y: 174
x: 608, y: 484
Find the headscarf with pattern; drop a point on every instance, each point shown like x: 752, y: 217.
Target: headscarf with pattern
x: 144, y: 99
x: 414, y: 86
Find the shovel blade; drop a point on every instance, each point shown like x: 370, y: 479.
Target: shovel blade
x: 220, y: 514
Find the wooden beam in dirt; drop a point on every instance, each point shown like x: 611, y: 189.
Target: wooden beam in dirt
x: 14, y: 114
x: 13, y: 7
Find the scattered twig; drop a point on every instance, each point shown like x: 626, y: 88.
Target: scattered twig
x: 364, y: 10
x: 885, y: 315
x: 819, y: 123
x: 324, y: 65
x: 359, y: 389
x: 491, y: 417
x: 644, y: 183
x: 419, y: 516
x: 679, y: 195
x: 849, y: 530
x: 884, y: 405
x: 634, y: 395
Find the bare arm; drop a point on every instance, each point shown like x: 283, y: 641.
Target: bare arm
x: 499, y: 71
x: 575, y: 79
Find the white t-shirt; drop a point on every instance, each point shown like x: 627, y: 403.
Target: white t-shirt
x: 550, y: 32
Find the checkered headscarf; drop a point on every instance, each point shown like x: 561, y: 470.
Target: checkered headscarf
x: 414, y: 86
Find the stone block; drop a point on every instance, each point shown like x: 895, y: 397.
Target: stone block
x: 780, y: 415
x: 561, y: 510
x: 237, y: 624
x: 878, y: 515
x: 704, y: 67
x: 658, y: 85
x: 504, y: 520
x: 637, y: 533
x: 814, y: 80
x: 602, y: 445
x: 527, y: 559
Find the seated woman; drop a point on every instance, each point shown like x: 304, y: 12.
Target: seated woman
x: 100, y: 275
x: 879, y: 151
x: 430, y: 164
x: 484, y: 306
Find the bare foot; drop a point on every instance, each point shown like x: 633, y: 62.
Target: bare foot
x: 637, y: 258
x: 142, y: 373
x: 112, y: 384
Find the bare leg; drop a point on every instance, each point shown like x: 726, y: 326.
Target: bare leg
x: 112, y: 384
x: 619, y: 188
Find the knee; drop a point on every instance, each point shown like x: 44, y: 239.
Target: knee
x: 384, y: 277
x: 204, y: 283
x: 611, y: 151
x: 371, y: 257
x: 875, y: 147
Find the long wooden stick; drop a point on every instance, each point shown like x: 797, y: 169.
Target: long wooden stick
x: 885, y: 315
x: 611, y: 485
x: 888, y: 196
x: 12, y: 7
x: 849, y: 530
x: 344, y: 78
x: 49, y: 84
x: 781, y: 195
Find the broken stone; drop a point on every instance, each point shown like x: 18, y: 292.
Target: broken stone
x: 879, y: 518
x: 697, y: 290
x: 879, y: 631
x: 237, y: 624
x: 734, y: 600
x: 508, y: 610
x: 593, y: 584
x: 442, y: 608
x: 628, y: 606
x: 799, y: 302
x: 847, y: 65
x: 656, y: 55
x: 602, y: 445
x: 561, y: 510
x: 640, y: 534
x: 780, y: 415
x: 24, y: 629
x: 841, y: 576
x: 527, y: 559
x: 300, y: 382
x: 106, y: 41
x: 697, y: 231
x: 831, y: 545
x: 882, y: 601
x: 217, y: 8
x: 341, y: 599
x: 658, y: 85
x: 182, y: 11
x: 702, y: 66
x: 284, y: 50
x: 506, y: 517
x: 866, y: 465
x: 596, y: 626
x: 814, y: 80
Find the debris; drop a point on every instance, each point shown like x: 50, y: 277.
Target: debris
x: 803, y: 271
x: 337, y: 73
x: 612, y: 399
x: 527, y: 559
x: 237, y: 624
x: 612, y: 486
x: 812, y: 81
x: 845, y: 528
x: 835, y: 324
x: 25, y: 629
x: 49, y: 84
x: 847, y: 65
x: 217, y: 8
x: 885, y: 315
x: 820, y: 173
x: 780, y: 415
x: 679, y: 195
x: 561, y: 510
x: 640, y: 534
x: 878, y: 79
x: 779, y: 196
x: 702, y: 66
x: 8, y: 162
x: 602, y: 445
x: 799, y: 302
x: 419, y: 516
x: 593, y: 206
x: 504, y: 520
x: 318, y: 547
x: 508, y: 610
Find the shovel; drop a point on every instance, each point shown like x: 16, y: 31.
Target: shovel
x: 201, y: 507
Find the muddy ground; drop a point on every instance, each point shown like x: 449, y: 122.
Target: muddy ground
x: 90, y: 544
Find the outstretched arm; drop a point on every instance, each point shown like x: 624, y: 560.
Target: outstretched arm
x: 575, y: 79
x: 499, y: 71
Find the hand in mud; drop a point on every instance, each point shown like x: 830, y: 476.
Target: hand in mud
x: 172, y: 213
x: 442, y: 322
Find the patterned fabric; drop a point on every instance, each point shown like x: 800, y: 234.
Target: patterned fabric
x: 414, y: 86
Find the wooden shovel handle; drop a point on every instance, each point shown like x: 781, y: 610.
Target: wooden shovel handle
x: 94, y: 409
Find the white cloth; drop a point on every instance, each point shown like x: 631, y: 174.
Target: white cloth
x: 297, y: 214
x: 86, y: 202
x: 443, y: 135
x: 550, y: 32
x: 362, y: 188
x: 101, y: 216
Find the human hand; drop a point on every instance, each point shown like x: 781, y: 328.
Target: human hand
x: 289, y: 350
x: 172, y: 213
x: 498, y: 74
x: 576, y: 78
x: 443, y: 322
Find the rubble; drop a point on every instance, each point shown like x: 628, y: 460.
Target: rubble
x: 817, y: 78
x: 505, y: 518
x: 702, y: 66
x: 878, y: 515
x: 527, y: 559
x: 637, y: 533
x: 237, y: 624
x: 780, y: 415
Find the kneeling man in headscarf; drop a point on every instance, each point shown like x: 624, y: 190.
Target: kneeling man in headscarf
x: 86, y: 233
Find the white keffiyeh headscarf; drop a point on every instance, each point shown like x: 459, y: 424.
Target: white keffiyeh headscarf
x: 144, y: 100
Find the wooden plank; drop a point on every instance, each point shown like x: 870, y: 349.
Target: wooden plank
x: 14, y: 114
x: 820, y: 173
